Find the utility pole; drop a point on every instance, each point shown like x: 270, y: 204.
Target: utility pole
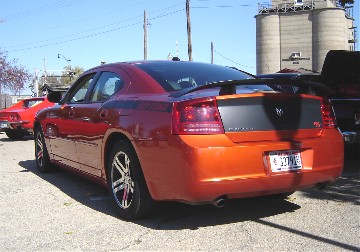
x: 45, y: 74
x: 189, y: 29
x: 212, y: 53
x: 145, y: 35
x: 36, y: 85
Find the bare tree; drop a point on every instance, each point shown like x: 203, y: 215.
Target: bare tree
x: 18, y: 76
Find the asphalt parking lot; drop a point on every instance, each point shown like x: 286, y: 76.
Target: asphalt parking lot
x: 60, y: 211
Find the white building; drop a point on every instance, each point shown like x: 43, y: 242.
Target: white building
x: 9, y: 100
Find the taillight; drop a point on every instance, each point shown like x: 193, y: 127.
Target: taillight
x: 15, y: 117
x: 196, y: 117
x: 328, y: 116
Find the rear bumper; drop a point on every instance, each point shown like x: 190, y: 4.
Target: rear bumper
x: 199, y: 169
x: 206, y: 192
x: 4, y: 125
x: 18, y: 125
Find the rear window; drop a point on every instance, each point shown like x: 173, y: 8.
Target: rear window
x: 32, y: 103
x: 177, y: 75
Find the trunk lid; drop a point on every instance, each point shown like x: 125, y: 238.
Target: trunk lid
x: 272, y: 116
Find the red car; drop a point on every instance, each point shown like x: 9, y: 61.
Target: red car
x: 18, y: 120
x: 190, y: 132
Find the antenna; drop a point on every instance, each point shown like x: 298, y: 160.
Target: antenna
x: 177, y: 49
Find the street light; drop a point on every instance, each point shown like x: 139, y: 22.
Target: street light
x: 68, y: 60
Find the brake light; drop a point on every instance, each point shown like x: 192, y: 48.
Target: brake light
x: 196, y: 117
x: 15, y: 117
x: 328, y: 116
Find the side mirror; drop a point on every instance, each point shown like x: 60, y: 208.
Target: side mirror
x: 54, y: 97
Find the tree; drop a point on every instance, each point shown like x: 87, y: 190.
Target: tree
x: 344, y: 2
x: 56, y: 79
x: 13, y: 77
x: 70, y: 74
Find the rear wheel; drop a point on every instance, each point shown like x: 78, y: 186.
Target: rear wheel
x: 15, y: 134
x: 41, y: 154
x: 126, y: 183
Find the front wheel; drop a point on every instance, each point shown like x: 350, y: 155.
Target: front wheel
x: 41, y: 154
x: 126, y: 183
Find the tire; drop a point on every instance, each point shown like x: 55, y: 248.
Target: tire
x: 41, y: 154
x: 15, y: 134
x: 126, y: 183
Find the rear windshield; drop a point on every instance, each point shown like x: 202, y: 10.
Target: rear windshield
x: 32, y: 103
x: 177, y: 75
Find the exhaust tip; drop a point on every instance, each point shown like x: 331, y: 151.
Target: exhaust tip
x: 220, y: 202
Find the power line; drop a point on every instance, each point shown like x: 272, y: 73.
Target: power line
x: 73, y: 22
x: 94, y: 34
x: 72, y: 34
x: 44, y: 8
x: 232, y: 60
x: 93, y: 29
x: 221, y: 6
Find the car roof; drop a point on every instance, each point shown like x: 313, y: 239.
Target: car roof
x: 136, y: 62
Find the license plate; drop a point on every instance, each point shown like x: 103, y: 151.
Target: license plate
x: 4, y: 125
x: 289, y: 160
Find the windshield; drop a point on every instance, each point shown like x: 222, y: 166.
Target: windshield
x: 177, y: 75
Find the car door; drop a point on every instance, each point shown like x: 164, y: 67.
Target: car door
x: 93, y: 120
x: 61, y: 125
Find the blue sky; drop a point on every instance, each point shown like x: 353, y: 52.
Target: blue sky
x: 91, y: 31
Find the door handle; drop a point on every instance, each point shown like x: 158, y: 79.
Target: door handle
x: 71, y: 112
x: 86, y: 119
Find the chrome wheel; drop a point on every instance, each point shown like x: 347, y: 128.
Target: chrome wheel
x: 39, y: 149
x: 121, y: 180
x: 41, y: 155
x: 126, y: 182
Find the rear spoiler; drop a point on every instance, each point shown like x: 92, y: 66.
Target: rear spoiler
x: 229, y: 87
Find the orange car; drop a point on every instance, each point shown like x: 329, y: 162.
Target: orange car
x: 18, y: 120
x: 185, y: 131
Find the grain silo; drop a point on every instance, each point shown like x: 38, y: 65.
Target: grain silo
x: 297, y: 34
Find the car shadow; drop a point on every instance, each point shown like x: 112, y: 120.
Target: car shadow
x: 178, y: 216
x: 24, y: 139
x: 345, y: 190
x: 168, y: 215
x: 84, y: 191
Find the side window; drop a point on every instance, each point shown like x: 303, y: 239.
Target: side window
x: 78, y: 94
x: 107, y: 85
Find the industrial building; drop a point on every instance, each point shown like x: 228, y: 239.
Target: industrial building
x: 293, y: 34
